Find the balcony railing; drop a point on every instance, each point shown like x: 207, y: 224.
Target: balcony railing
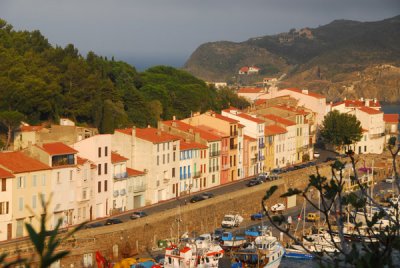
x: 234, y: 133
x: 215, y: 153
x: 376, y: 136
x: 197, y: 174
x: 121, y: 176
x: 233, y: 146
x: 261, y: 145
x: 139, y: 187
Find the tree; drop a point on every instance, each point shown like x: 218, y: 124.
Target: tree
x: 339, y: 129
x: 11, y: 120
x: 394, y: 148
x: 340, y: 207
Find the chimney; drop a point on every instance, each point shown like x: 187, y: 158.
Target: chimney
x: 174, y: 117
x: 375, y: 100
x: 367, y: 103
x: 148, y: 126
x: 361, y: 99
x: 133, y: 131
x: 345, y: 98
x: 304, y: 91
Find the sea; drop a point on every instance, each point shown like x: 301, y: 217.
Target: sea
x: 391, y: 108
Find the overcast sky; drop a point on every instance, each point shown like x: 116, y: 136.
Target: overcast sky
x: 150, y: 32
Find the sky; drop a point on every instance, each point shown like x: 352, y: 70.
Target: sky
x: 153, y: 32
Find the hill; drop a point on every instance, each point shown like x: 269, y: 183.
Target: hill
x: 364, y: 56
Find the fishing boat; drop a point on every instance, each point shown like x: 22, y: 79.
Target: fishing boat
x: 230, y: 241
x: 193, y: 255
x: 264, y: 251
x: 300, y: 254
x: 255, y: 231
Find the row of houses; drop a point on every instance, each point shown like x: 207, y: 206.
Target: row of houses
x: 86, y: 175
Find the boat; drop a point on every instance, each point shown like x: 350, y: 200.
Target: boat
x: 264, y: 251
x: 321, y: 242
x: 191, y: 254
x: 230, y: 241
x: 255, y: 231
x: 300, y: 254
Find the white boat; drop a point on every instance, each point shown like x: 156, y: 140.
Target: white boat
x: 264, y: 251
x: 320, y: 243
x: 191, y: 254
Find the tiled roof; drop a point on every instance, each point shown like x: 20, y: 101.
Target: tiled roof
x: 17, y: 162
x: 187, y: 128
x: 311, y: 94
x: 357, y: 103
x: 154, y: 135
x: 191, y: 145
x: 133, y: 172
x: 30, y: 128
x: 279, y: 119
x: 81, y: 160
x: 214, y: 131
x: 228, y: 110
x: 227, y: 119
x: 58, y: 148
x: 4, y: 174
x: 127, y: 131
x: 391, y: 118
x: 369, y: 110
x: 250, y: 90
x: 116, y: 158
x: 250, y: 118
x: 249, y: 138
x: 274, y: 129
x: 244, y: 69
x: 260, y: 101
x: 291, y: 109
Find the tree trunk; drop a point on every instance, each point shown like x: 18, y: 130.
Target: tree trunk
x: 9, y: 132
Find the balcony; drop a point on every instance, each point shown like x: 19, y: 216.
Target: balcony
x: 139, y: 187
x: 214, y: 153
x: 197, y: 174
x: 261, y: 158
x: 261, y: 145
x: 376, y: 136
x: 120, y: 176
x: 233, y: 146
x: 234, y: 133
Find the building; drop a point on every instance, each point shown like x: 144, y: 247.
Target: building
x: 156, y: 152
x: 277, y: 155
x: 6, y: 204
x: 251, y: 94
x: 248, y: 70
x: 31, y: 183
x: 391, y: 126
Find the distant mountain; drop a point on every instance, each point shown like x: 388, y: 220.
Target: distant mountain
x: 342, y: 58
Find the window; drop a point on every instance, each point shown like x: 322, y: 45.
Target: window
x: 106, y: 151
x: 34, y: 201
x: 71, y: 172
x: 43, y: 179
x: 4, y: 206
x: 158, y: 147
x: 213, y: 178
x: 163, y: 146
x: 99, y: 151
x: 58, y: 177
x: 105, y: 186
x: 105, y: 168
x: 158, y: 160
x: 99, y: 187
x: 34, y: 180
x: 21, y: 182
x: 173, y: 157
x: 365, y: 149
x: 3, y: 185
x: 163, y: 158
x: 173, y: 172
x: 21, y: 204
x: 168, y: 157
x: 20, y: 228
x: 99, y: 169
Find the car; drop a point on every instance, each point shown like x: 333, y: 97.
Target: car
x: 279, y: 207
x: 112, y: 221
x: 272, y: 177
x: 207, y: 195
x: 93, y: 225
x: 253, y: 182
x: 262, y: 177
x: 138, y: 214
x: 316, y: 154
x: 258, y: 216
x: 197, y: 198
x: 277, y: 171
x: 389, y: 179
x: 312, y: 217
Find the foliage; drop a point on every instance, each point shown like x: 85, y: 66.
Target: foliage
x: 341, y: 129
x: 334, y: 203
x: 11, y: 120
x: 45, y: 83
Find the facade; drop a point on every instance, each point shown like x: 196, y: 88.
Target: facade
x: 97, y: 149
x: 251, y: 94
x: 391, y: 126
x: 30, y: 184
x: 278, y: 152
x: 6, y: 204
x: 250, y: 156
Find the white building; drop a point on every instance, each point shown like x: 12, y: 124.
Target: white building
x: 6, y: 204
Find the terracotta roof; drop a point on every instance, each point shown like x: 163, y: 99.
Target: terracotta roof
x: 250, y: 90
x: 228, y: 110
x: 30, y: 128
x: 250, y: 118
x: 191, y: 145
x: 260, y: 101
x: 274, y: 130
x: 357, y: 103
x: 17, y: 162
x: 291, y: 109
x: 391, y: 118
x: 58, y: 148
x: 279, y: 119
x: 249, y: 138
x: 244, y: 69
x: 369, y: 110
x: 311, y: 94
x: 4, y: 174
x: 214, y: 131
x: 150, y: 134
x: 81, y: 161
x: 133, y: 172
x: 227, y: 119
x: 116, y: 158
x: 189, y: 128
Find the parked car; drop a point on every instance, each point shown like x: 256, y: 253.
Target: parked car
x: 279, y: 207
x: 197, y: 198
x: 258, y: 216
x: 277, y: 171
x: 312, y: 217
x: 253, y: 182
x: 207, y: 195
x: 93, y: 225
x: 231, y: 220
x: 138, y: 214
x: 389, y: 179
x: 262, y: 177
x: 113, y: 221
